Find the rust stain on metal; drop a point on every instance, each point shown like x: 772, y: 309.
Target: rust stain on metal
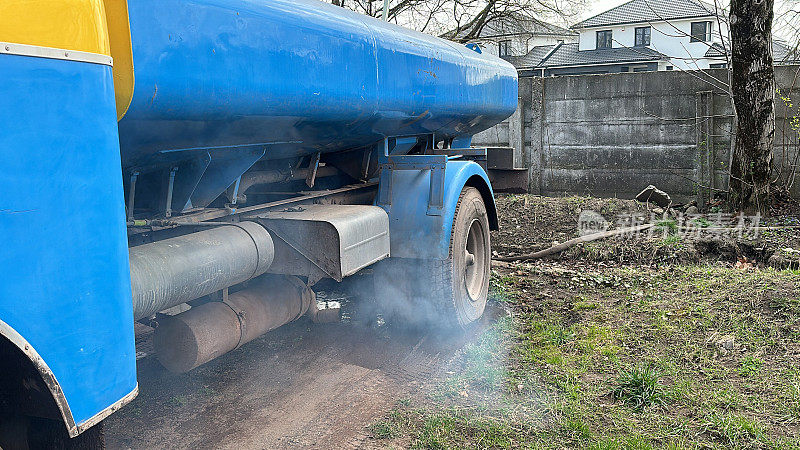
x: 418, y: 118
x: 155, y: 91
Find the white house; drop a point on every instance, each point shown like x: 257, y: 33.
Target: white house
x: 682, y: 30
x: 515, y: 35
x: 637, y: 36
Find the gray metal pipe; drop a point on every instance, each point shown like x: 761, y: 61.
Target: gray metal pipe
x: 173, y: 271
x: 256, y: 177
x: 189, y: 339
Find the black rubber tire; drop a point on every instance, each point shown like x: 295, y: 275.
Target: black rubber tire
x: 32, y: 433
x: 448, y: 294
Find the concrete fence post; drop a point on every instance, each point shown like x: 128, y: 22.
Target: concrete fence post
x: 704, y: 119
x: 516, y: 129
x: 535, y: 149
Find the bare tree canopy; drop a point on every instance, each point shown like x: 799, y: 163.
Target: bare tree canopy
x: 786, y: 25
x: 753, y: 89
x: 463, y: 20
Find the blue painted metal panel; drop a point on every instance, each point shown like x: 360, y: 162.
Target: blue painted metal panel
x: 406, y: 197
x: 297, y: 77
x: 64, y: 259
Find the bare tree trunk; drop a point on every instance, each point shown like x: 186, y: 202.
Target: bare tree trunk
x: 753, y: 87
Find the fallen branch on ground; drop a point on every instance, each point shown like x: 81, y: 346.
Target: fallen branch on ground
x: 572, y: 242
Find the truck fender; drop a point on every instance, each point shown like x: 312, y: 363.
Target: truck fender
x: 9, y: 337
x: 416, y: 232
x: 66, y: 295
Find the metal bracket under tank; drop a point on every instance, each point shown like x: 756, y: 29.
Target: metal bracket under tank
x: 433, y: 163
x: 326, y: 241
x: 498, y: 162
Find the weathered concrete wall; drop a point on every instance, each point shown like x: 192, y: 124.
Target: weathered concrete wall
x: 787, y: 125
x: 612, y: 135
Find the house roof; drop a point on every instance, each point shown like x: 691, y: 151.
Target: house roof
x: 533, y: 58
x: 516, y: 24
x: 566, y: 55
x: 715, y: 51
x: 636, y: 11
x: 781, y: 52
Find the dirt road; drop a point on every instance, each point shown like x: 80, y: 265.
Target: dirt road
x: 303, y: 386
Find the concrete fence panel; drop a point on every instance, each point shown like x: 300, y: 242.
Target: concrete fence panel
x: 612, y: 135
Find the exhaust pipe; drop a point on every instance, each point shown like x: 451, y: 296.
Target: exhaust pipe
x: 180, y: 269
x: 189, y: 339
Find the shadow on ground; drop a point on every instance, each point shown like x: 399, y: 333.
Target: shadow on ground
x: 304, y: 385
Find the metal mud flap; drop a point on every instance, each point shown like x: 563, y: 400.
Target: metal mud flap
x: 326, y: 241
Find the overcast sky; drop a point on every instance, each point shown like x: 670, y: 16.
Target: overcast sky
x: 782, y: 29
x: 597, y: 6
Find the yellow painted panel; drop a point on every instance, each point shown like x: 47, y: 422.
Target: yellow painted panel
x: 66, y: 24
x: 119, y: 33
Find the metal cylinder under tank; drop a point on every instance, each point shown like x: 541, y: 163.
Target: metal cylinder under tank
x: 176, y: 270
x: 194, y: 337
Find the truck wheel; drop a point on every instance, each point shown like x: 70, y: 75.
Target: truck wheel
x: 447, y: 293
x: 51, y: 434
x: 470, y: 260
x: 31, y: 433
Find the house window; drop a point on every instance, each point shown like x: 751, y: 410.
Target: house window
x: 718, y: 66
x: 669, y: 67
x: 701, y: 32
x: 604, y: 39
x: 642, y: 38
x: 623, y: 69
x: 505, y: 48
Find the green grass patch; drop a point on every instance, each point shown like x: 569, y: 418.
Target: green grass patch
x: 623, y: 358
x: 750, y: 366
x: 701, y: 222
x: 640, y: 387
x: 737, y: 431
x: 384, y: 429
x: 667, y: 226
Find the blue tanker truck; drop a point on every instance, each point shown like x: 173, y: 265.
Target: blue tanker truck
x: 227, y: 155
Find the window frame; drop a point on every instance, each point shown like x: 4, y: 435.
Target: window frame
x: 504, y: 48
x: 694, y: 37
x: 610, y: 39
x: 636, y: 30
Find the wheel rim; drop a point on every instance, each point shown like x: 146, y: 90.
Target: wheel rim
x: 475, y: 260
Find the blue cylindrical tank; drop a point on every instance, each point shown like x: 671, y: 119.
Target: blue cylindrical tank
x: 297, y: 77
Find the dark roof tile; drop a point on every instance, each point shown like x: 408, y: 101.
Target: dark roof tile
x: 516, y: 24
x: 569, y: 55
x: 715, y: 51
x: 781, y: 53
x: 648, y: 11
x: 532, y: 59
